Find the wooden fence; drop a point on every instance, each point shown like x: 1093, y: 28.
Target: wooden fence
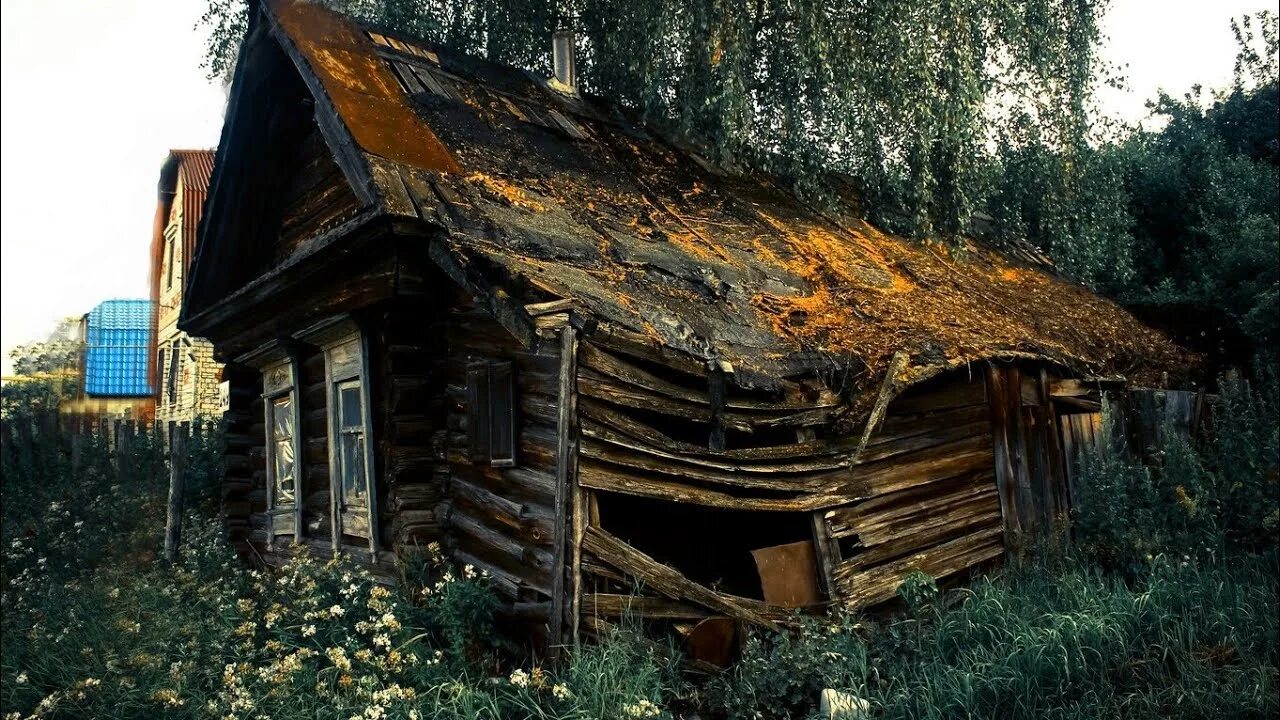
x: 42, y: 435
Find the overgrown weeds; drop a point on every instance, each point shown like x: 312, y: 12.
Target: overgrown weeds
x: 1164, y: 605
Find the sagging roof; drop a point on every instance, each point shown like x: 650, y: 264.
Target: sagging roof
x: 568, y: 197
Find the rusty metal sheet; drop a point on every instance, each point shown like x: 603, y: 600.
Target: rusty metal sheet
x: 712, y: 641
x: 789, y: 574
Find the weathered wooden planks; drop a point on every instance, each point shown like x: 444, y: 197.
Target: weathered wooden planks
x: 862, y: 587
x: 632, y: 562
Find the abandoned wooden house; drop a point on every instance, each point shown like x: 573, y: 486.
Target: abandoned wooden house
x: 463, y: 303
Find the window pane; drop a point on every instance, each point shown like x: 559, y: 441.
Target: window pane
x: 351, y: 449
x: 349, y: 405
x: 282, y: 450
x: 282, y: 418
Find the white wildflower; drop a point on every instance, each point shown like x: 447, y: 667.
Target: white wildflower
x: 519, y: 678
x: 642, y: 709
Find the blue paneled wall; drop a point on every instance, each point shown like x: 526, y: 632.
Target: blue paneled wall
x: 117, y: 342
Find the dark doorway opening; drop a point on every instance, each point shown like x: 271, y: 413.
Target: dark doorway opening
x: 710, y: 546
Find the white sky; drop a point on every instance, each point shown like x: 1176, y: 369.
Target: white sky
x: 93, y: 93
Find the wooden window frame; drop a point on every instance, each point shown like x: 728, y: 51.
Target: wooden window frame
x: 170, y: 240
x: 346, y: 360
x: 280, y: 380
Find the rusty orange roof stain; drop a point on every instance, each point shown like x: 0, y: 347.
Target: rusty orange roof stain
x: 361, y: 86
x: 512, y: 194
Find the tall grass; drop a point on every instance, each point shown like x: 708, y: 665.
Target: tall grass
x: 1187, y: 641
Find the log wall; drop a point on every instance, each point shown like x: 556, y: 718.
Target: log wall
x: 410, y: 413
x: 317, y: 197
x: 929, y: 500
x: 314, y: 467
x: 501, y: 519
x: 243, y: 484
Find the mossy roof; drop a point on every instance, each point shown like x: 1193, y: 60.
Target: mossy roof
x: 548, y: 194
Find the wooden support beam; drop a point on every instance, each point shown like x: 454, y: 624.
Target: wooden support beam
x: 611, y: 605
x: 666, y: 580
x: 888, y: 389
x: 549, y: 308
x: 1006, y: 477
x: 566, y: 461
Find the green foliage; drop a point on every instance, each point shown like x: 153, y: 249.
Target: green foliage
x: 918, y: 590
x: 203, y: 467
x: 1182, y: 211
x: 60, y: 352
x: 781, y: 675
x: 1244, y: 456
x: 93, y: 626
x: 623, y: 676
x: 938, y: 109
x: 1185, y: 640
x: 1191, y: 503
x: 1074, y: 207
x: 1202, y: 193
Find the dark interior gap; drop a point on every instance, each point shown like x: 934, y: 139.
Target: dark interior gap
x: 710, y: 546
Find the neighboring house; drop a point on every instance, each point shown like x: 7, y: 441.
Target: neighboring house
x: 186, y: 376
x: 117, y: 341
x: 462, y: 304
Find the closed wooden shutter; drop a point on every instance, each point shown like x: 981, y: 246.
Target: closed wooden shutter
x: 478, y: 411
x: 502, y: 415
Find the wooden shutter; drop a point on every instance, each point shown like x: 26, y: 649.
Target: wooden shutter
x: 502, y: 415
x: 478, y: 410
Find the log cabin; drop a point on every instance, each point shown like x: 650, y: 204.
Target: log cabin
x: 463, y: 303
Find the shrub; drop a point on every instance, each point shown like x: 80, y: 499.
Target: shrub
x: 1244, y: 454
x: 1191, y: 502
x: 781, y: 675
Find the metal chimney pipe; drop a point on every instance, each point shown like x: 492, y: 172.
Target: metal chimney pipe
x: 562, y: 42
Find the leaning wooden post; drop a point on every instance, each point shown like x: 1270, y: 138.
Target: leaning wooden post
x: 177, y: 477
x: 121, y: 446
x: 77, y: 444
x: 565, y: 495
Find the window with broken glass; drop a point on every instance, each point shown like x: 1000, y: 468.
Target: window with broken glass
x: 350, y: 462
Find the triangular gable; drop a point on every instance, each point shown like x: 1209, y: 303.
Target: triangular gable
x: 270, y: 117
x: 286, y: 89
